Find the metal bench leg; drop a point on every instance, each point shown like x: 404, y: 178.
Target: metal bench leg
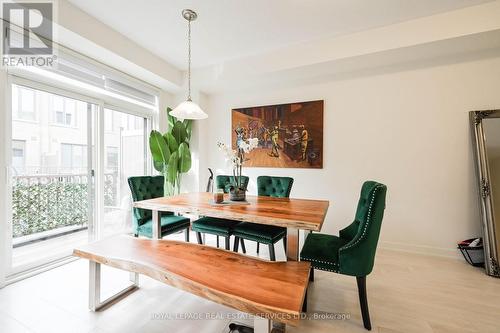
x: 262, y: 325
x: 134, y: 278
x: 95, y: 303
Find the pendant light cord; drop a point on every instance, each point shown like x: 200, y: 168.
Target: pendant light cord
x: 189, y: 60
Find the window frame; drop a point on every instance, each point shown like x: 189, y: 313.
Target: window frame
x: 72, y: 147
x: 65, y: 113
x: 19, y: 110
x: 23, y: 142
x: 96, y: 159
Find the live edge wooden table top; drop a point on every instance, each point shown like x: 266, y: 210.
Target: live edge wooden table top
x: 293, y: 214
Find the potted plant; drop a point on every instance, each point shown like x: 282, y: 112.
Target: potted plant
x: 171, y: 154
x: 236, y: 158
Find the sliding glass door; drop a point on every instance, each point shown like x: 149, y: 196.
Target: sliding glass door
x: 124, y: 156
x: 70, y: 160
x: 50, y: 175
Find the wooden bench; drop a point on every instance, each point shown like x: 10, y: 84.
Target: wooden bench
x: 271, y: 291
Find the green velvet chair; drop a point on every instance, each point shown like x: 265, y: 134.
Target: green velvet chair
x: 149, y: 187
x: 353, y: 252
x: 279, y: 187
x: 217, y: 226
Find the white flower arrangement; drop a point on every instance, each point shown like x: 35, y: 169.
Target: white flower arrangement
x: 236, y: 157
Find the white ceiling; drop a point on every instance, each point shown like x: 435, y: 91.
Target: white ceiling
x: 230, y: 29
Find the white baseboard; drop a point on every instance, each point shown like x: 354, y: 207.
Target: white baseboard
x: 421, y: 249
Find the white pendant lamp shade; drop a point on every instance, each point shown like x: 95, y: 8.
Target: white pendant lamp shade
x: 188, y: 110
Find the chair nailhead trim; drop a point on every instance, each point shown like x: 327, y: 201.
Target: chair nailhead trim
x: 366, y: 224
x: 320, y: 261
x: 326, y: 269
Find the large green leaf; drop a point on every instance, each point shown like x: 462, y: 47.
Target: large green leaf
x: 179, y: 132
x: 159, y: 147
x: 172, y: 167
x: 159, y: 166
x: 171, y: 119
x: 173, y: 145
x: 184, y: 158
x: 188, y: 125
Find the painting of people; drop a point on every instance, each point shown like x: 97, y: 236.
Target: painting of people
x: 290, y: 135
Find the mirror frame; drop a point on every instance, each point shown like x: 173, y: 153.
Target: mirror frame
x: 491, y: 253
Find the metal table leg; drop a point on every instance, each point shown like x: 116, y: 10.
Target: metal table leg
x: 156, y: 224
x: 95, y: 302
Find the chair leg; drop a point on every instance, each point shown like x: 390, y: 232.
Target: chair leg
x: 258, y: 247
x: 198, y: 237
x: 363, y: 301
x: 236, y: 243
x: 272, y: 255
x: 217, y: 241
x: 228, y: 246
x: 311, y: 275
x: 243, y: 248
x: 186, y: 235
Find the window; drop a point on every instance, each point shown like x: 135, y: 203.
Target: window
x: 60, y: 113
x: 73, y: 158
x: 64, y: 110
x: 18, y: 155
x: 112, y: 158
x: 108, y: 120
x: 23, y: 103
x: 130, y: 122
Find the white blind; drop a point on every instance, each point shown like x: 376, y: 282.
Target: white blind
x: 79, y: 67
x: 89, y: 71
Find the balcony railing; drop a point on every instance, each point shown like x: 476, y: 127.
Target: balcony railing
x: 46, y: 202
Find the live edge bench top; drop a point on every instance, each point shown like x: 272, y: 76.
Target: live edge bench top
x: 255, y: 286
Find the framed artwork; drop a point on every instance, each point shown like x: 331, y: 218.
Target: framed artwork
x: 290, y: 135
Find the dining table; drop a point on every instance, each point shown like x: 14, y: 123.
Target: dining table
x: 290, y: 213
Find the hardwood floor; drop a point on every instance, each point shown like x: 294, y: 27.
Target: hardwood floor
x: 406, y: 292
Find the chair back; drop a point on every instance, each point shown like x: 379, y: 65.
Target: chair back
x: 270, y: 186
x: 143, y: 188
x: 358, y: 255
x: 224, y: 182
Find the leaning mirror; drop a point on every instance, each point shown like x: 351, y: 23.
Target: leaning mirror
x: 485, y: 127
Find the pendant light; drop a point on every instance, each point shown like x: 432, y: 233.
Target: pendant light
x: 189, y: 109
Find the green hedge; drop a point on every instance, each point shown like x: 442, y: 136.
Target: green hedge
x: 40, y: 207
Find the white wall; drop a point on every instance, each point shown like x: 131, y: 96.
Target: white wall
x: 407, y: 129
